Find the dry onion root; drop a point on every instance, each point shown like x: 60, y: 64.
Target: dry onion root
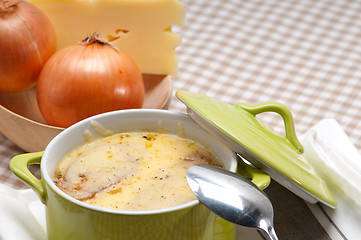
x: 27, y: 40
x: 86, y: 79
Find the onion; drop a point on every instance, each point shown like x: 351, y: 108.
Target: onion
x: 27, y: 40
x: 86, y: 79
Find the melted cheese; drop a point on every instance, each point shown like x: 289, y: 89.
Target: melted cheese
x: 140, y: 28
x: 132, y: 171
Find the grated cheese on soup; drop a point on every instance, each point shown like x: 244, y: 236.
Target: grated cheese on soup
x: 132, y: 171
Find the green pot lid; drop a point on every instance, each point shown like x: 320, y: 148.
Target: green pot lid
x: 280, y: 157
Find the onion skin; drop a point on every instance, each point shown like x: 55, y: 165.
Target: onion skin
x: 83, y: 80
x: 27, y: 41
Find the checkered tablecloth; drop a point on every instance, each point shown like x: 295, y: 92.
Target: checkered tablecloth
x: 305, y: 54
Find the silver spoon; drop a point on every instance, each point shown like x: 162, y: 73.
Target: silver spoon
x: 232, y: 197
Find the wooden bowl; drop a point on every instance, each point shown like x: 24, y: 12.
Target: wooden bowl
x: 23, y: 124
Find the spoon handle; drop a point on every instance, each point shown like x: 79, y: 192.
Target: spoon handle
x: 271, y: 233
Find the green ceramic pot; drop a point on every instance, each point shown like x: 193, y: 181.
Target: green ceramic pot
x: 68, y: 218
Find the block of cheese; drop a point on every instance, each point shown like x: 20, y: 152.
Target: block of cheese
x: 141, y: 28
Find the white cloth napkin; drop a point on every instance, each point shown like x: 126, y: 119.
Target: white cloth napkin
x: 335, y: 158
x: 22, y: 215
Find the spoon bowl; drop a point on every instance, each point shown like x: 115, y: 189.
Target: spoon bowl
x: 232, y: 197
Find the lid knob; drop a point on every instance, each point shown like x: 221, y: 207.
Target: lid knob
x: 283, y: 111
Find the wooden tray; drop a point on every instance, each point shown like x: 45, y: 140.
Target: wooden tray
x: 22, y: 123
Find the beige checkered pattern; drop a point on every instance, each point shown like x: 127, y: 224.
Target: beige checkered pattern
x: 305, y: 54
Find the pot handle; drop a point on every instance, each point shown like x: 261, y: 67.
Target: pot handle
x: 257, y: 176
x: 283, y: 111
x: 19, y: 166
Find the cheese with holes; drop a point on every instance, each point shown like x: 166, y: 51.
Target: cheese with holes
x: 140, y: 28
